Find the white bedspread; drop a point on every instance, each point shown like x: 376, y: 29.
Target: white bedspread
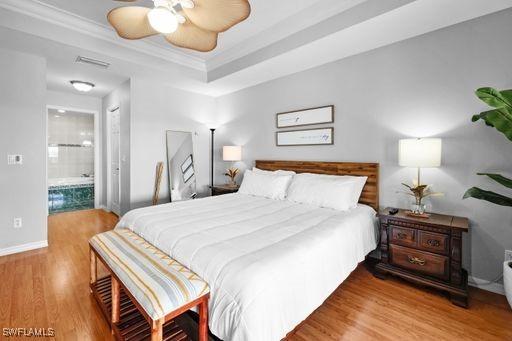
x: 269, y: 263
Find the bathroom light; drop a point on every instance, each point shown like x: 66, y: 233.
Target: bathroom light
x: 62, y: 111
x: 87, y: 143
x: 82, y: 86
x: 163, y: 20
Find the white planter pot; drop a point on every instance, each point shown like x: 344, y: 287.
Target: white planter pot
x: 507, y: 280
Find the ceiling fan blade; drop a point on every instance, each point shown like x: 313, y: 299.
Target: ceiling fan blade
x: 131, y: 22
x: 192, y: 37
x: 218, y: 15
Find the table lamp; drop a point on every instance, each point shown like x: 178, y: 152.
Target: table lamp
x: 233, y: 154
x: 419, y: 153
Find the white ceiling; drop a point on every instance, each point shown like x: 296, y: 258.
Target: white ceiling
x: 280, y: 38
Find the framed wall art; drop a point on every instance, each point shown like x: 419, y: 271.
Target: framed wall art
x: 306, y: 137
x: 304, y: 117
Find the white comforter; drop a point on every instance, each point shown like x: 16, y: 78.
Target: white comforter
x: 269, y: 263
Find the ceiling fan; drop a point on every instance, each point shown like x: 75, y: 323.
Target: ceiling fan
x: 191, y: 24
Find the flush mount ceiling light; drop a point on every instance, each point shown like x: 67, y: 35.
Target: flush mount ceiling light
x: 82, y: 86
x: 191, y: 24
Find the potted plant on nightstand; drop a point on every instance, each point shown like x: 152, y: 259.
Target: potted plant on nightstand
x: 499, y: 118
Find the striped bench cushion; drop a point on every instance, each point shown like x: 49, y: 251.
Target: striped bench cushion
x: 158, y: 283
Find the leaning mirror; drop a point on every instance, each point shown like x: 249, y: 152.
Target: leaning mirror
x: 180, y: 163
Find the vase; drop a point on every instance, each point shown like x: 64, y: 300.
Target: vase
x: 507, y: 281
x: 418, y: 208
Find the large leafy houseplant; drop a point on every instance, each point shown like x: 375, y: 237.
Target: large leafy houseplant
x: 499, y: 118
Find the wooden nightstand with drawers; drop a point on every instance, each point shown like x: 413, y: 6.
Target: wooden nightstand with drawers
x: 427, y: 251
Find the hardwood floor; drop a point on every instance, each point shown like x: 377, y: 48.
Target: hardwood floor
x: 49, y: 288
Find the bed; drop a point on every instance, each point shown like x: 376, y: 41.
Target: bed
x: 269, y: 263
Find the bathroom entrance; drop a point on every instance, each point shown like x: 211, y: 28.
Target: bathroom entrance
x: 71, y: 160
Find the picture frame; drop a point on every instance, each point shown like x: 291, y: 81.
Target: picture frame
x: 305, y: 137
x: 305, y: 117
x: 186, y: 164
x: 188, y: 174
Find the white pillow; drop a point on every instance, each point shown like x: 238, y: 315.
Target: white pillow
x: 337, y: 192
x: 357, y: 181
x: 279, y: 172
x: 269, y: 185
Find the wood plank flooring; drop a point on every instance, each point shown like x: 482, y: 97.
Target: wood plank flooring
x: 49, y: 288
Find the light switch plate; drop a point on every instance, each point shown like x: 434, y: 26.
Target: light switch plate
x: 14, y: 159
x: 508, y: 255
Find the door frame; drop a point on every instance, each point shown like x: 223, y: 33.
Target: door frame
x: 98, y: 176
x: 108, y: 146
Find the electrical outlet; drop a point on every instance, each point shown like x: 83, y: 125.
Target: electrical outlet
x: 14, y: 160
x: 508, y: 255
x: 17, y: 223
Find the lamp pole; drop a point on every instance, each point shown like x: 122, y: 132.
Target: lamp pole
x: 211, y: 161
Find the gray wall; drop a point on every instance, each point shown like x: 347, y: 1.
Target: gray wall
x: 22, y: 131
x: 420, y: 87
x: 155, y: 109
x: 121, y: 98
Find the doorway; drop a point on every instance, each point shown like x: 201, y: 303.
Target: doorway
x: 72, y: 159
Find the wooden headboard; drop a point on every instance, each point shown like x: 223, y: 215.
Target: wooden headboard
x: 370, y: 194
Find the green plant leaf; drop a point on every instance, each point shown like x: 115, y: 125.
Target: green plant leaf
x: 494, y: 98
x: 489, y: 196
x: 499, y: 179
x: 498, y: 119
x: 507, y: 94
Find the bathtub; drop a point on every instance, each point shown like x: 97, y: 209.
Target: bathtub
x: 70, y: 181
x: 70, y: 194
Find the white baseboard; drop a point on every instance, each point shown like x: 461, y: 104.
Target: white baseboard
x: 23, y: 247
x: 485, y: 285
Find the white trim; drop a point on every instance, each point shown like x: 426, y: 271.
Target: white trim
x: 23, y: 247
x: 104, y: 208
x: 486, y: 285
x: 108, y: 146
x: 48, y: 13
x: 98, y: 177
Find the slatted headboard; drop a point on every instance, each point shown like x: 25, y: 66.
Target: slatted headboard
x: 370, y: 194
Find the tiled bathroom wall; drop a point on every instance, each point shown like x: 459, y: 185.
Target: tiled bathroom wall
x: 70, y: 161
x: 70, y: 144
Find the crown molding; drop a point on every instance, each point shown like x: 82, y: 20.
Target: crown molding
x: 41, y: 11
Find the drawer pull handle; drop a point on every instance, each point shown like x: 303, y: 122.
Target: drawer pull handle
x: 401, y: 235
x: 433, y: 242
x: 416, y: 260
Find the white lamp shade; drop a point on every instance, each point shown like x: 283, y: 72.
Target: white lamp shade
x: 419, y: 152
x: 232, y: 153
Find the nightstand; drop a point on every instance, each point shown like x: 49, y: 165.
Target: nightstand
x: 224, y: 189
x: 427, y: 251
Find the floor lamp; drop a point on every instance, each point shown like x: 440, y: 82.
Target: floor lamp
x: 211, y: 160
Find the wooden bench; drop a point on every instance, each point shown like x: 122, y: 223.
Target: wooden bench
x: 159, y: 286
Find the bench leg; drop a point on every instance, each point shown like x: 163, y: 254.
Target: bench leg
x: 93, y: 267
x: 115, y: 300
x: 203, y: 320
x: 157, y: 330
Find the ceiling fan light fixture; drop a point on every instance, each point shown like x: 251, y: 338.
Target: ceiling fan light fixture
x: 82, y: 86
x: 163, y: 20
